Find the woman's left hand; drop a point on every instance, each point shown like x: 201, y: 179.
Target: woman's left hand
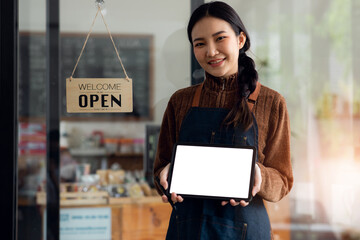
x: 255, y: 190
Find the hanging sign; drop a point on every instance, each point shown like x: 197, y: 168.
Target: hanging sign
x: 99, y: 95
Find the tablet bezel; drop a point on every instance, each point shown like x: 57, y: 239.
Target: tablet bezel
x: 225, y: 198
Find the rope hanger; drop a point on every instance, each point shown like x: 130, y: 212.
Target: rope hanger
x: 88, y: 35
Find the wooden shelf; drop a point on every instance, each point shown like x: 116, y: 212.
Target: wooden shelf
x: 127, y: 155
x: 68, y: 199
x: 100, y: 152
x: 87, y: 152
x: 77, y: 198
x: 139, y: 200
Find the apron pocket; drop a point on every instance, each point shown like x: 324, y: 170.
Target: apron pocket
x: 218, y: 228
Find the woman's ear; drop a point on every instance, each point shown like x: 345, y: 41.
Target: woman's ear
x: 242, y: 40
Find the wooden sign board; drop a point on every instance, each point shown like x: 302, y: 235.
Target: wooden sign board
x: 99, y: 95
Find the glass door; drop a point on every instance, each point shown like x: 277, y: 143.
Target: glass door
x: 89, y: 176
x: 38, y: 122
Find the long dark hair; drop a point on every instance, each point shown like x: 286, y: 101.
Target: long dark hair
x: 240, y: 114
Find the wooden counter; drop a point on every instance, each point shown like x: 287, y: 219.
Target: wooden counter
x: 144, y: 218
x: 140, y: 221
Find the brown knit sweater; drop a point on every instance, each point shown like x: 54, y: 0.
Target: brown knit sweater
x: 273, y: 123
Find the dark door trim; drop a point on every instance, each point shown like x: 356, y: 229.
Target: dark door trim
x: 9, y: 117
x: 52, y: 120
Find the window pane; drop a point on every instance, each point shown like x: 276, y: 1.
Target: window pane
x: 308, y: 51
x: 32, y: 122
x: 112, y: 154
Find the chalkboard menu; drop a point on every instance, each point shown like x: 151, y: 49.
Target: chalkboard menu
x: 99, y: 60
x: 32, y: 72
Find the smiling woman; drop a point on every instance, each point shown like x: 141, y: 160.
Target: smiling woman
x: 224, y: 109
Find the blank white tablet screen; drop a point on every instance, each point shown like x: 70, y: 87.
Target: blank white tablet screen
x: 212, y: 171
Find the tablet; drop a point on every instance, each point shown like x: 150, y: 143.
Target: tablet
x: 212, y: 171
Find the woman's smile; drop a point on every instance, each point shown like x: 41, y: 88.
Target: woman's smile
x: 216, y: 62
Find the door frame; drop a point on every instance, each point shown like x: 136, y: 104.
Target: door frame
x: 52, y: 119
x: 9, y: 116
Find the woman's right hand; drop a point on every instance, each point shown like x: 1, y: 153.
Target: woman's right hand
x: 163, y: 181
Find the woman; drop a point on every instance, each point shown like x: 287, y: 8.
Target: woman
x: 229, y: 107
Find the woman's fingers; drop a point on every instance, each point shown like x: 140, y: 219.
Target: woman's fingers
x: 164, y: 199
x: 243, y: 203
x: 234, y: 203
x: 173, y: 197
x: 176, y: 198
x: 223, y: 203
x: 179, y: 198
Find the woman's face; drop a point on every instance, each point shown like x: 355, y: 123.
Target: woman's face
x: 216, y: 46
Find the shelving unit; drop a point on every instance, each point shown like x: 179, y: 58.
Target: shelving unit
x: 128, y: 161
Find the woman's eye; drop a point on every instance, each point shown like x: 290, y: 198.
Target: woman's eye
x: 199, y: 44
x: 220, y: 38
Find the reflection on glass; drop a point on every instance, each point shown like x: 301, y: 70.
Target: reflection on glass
x: 308, y: 51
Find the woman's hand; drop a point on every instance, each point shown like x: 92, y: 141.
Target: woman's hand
x: 255, y: 190
x: 163, y: 181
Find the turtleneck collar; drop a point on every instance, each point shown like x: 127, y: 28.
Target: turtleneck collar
x: 220, y: 83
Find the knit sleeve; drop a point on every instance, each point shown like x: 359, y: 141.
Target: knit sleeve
x: 166, y: 142
x: 276, y: 170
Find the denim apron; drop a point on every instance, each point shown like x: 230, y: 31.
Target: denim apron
x: 206, y: 219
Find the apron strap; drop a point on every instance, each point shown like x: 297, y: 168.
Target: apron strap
x: 196, y: 98
x: 251, y: 100
x: 253, y: 97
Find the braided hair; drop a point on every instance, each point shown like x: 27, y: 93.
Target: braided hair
x: 240, y: 115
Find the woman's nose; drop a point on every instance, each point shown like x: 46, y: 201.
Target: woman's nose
x: 211, y: 50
